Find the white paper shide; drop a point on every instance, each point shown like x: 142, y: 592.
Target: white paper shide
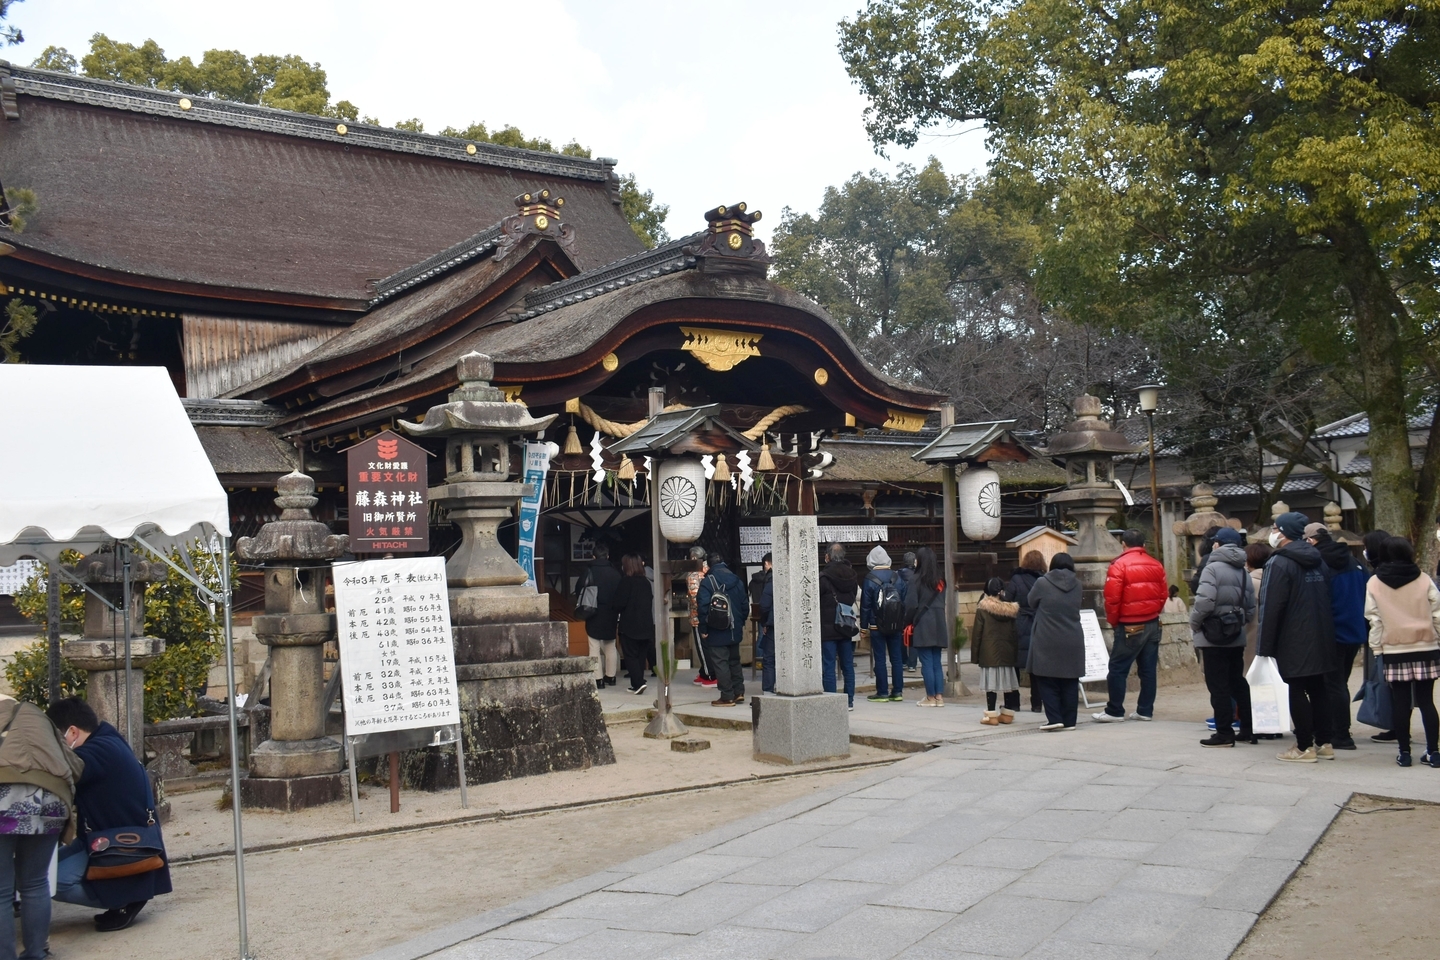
x: 395, y: 648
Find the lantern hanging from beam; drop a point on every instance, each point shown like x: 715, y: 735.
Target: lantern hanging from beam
x: 978, y: 499
x: 682, y: 499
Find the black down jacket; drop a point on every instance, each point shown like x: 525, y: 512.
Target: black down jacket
x: 1296, y: 627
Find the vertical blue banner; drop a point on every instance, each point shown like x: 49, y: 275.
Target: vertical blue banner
x: 537, y: 465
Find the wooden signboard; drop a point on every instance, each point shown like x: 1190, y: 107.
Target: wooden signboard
x: 388, y: 485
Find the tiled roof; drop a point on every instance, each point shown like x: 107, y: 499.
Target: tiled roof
x: 1358, y: 425
x: 666, y: 258
x: 245, y: 116
x: 249, y: 204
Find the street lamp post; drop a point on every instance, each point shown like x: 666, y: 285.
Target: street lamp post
x: 1149, y: 400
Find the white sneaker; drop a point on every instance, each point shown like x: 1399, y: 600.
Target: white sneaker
x: 1103, y: 717
x: 1052, y: 727
x: 1141, y: 716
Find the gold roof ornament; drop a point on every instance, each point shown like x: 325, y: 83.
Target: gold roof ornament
x: 720, y: 350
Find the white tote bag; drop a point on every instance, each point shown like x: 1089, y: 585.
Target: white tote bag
x: 1269, y: 697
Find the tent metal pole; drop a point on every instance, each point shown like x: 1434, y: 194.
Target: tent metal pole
x: 234, y: 749
x: 125, y: 614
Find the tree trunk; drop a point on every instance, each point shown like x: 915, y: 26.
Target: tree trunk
x: 1377, y: 314
x: 1427, y: 502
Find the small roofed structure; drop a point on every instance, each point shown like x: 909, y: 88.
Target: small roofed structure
x: 976, y: 443
x: 1046, y: 541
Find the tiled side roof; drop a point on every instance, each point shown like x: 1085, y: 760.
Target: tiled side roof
x: 666, y: 258
x: 166, y: 103
x: 462, y: 252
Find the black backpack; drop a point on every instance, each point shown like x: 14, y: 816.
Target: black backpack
x: 719, y: 616
x: 889, y: 608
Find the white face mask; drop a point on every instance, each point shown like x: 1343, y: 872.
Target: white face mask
x: 1275, y: 539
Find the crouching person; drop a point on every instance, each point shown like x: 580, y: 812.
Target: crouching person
x: 112, y: 793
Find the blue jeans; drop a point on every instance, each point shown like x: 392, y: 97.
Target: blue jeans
x: 1143, y: 650
x: 767, y: 659
x: 888, y: 649
x: 70, y: 886
x: 25, y: 866
x: 844, y: 651
x: 932, y: 670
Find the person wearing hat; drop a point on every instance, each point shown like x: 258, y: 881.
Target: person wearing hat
x: 1297, y: 629
x: 1347, y: 608
x: 882, y: 612
x: 1224, y: 604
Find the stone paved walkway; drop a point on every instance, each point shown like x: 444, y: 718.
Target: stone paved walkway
x: 1114, y: 841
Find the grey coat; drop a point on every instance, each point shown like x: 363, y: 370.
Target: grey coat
x: 1057, y: 644
x: 925, y: 610
x: 1224, y: 585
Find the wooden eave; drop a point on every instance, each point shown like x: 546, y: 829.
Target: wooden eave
x: 44, y: 269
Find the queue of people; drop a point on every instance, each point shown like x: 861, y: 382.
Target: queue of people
x: 1304, y: 600
x: 71, y: 786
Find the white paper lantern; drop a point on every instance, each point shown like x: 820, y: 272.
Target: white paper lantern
x: 978, y: 495
x: 682, y: 499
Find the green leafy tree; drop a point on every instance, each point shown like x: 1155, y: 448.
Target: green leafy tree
x: 647, y: 218
x: 10, y: 33
x: 1174, y: 143
x: 56, y: 58
x: 174, y: 611
x: 20, y: 319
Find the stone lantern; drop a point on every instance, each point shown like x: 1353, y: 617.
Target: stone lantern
x: 101, y: 650
x: 298, y: 766
x: 1088, y: 447
x: 526, y: 706
x: 1193, y: 528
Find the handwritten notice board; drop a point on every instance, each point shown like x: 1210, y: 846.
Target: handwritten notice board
x: 395, y: 648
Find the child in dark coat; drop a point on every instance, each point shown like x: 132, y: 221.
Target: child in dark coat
x: 994, y: 647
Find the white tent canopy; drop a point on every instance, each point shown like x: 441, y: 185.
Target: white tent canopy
x: 107, y: 455
x: 97, y: 454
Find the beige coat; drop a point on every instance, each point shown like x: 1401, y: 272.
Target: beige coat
x: 34, y: 752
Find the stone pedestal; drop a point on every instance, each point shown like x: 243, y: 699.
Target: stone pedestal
x: 798, y: 723
x: 297, y: 766
x: 104, y: 662
x: 526, y: 706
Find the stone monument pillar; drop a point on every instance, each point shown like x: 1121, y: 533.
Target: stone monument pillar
x: 798, y: 722
x: 1088, y: 447
x: 298, y: 767
x: 101, y: 650
x: 526, y: 706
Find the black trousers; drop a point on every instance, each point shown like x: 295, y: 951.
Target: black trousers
x: 1423, y: 694
x: 729, y: 676
x: 1061, y: 696
x: 1309, y: 711
x: 1337, y: 686
x: 1229, y: 691
x: 632, y: 651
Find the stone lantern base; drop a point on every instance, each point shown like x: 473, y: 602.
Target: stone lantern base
x: 530, y: 709
x: 290, y: 794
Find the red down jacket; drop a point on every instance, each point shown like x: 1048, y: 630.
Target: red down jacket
x: 1135, y: 588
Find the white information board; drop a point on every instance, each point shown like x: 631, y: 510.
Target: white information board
x: 1097, y: 657
x: 395, y: 649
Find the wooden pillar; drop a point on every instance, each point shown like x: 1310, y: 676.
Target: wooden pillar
x: 951, y: 537
x: 665, y: 724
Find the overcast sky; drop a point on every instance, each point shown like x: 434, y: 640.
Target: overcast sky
x: 742, y: 100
